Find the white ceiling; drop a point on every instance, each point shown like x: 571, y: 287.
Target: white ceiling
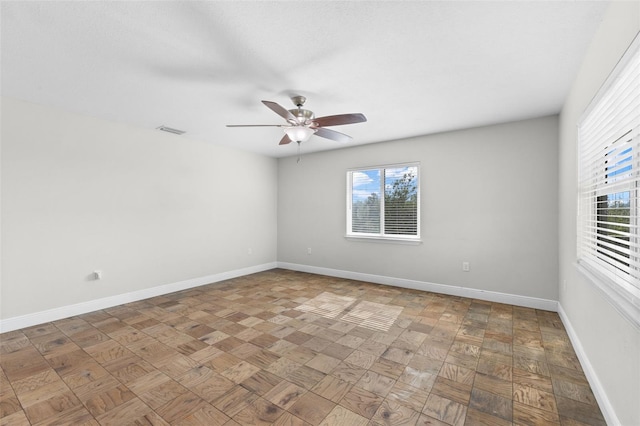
x: 412, y: 68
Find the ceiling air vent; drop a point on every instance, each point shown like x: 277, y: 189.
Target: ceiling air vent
x: 170, y: 130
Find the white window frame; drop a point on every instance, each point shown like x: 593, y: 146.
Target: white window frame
x: 382, y: 236
x: 610, y: 125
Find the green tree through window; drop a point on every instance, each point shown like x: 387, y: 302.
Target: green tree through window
x: 401, y: 204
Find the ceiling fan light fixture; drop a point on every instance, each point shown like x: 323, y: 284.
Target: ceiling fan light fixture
x: 299, y: 133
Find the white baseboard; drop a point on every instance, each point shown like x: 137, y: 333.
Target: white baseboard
x: 42, y: 317
x: 598, y: 391
x: 491, y: 296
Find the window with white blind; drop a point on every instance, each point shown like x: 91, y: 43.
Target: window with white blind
x: 609, y: 176
x: 383, y: 202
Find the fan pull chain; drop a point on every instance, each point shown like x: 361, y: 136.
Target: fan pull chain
x: 297, y: 161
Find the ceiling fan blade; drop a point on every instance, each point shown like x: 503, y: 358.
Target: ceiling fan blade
x: 256, y: 125
x: 280, y: 110
x: 332, y: 134
x: 337, y: 120
x: 285, y: 140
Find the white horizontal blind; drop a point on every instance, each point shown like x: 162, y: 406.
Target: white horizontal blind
x: 383, y: 202
x: 401, y: 201
x: 609, y: 161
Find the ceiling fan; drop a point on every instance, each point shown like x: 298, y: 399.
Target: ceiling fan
x: 302, y: 123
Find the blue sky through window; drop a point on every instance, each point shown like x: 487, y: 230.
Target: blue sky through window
x: 367, y: 182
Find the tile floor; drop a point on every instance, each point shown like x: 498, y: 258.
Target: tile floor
x: 289, y: 348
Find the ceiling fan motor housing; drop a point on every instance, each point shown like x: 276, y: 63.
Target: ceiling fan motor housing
x: 304, y: 116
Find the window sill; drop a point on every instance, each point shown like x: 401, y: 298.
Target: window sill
x: 625, y: 302
x: 388, y: 240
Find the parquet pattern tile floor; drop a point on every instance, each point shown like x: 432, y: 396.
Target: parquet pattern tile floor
x: 289, y: 348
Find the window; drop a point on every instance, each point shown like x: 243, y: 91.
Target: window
x: 609, y: 176
x: 384, y: 202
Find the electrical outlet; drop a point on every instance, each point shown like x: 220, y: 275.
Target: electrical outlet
x: 249, y: 250
x: 309, y: 250
x: 466, y: 267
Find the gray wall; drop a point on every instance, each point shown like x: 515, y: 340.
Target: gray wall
x: 145, y: 207
x: 489, y: 197
x: 610, y: 342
